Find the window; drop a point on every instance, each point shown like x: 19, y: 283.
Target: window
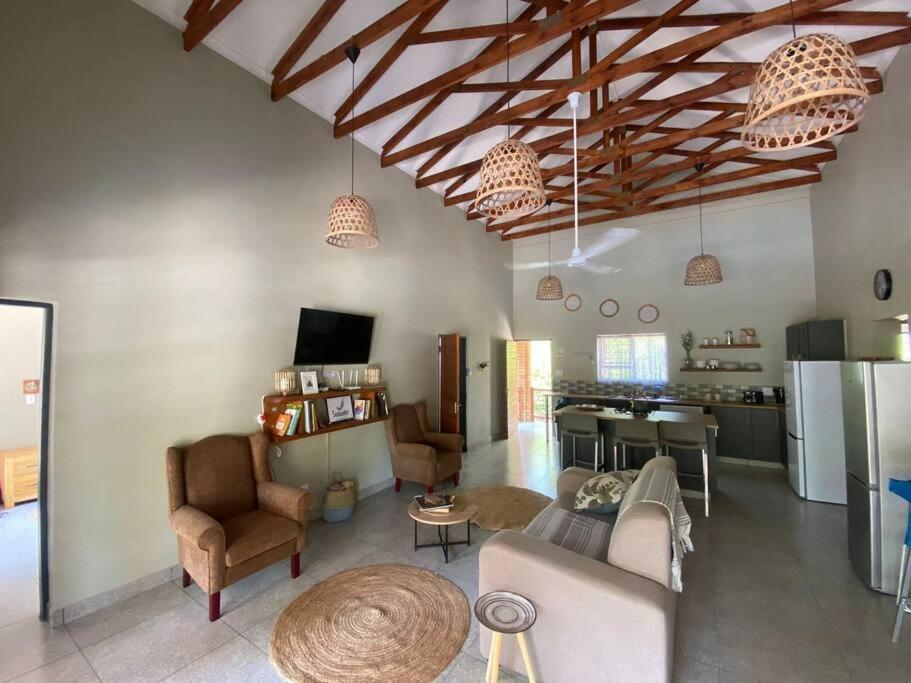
x: 632, y: 358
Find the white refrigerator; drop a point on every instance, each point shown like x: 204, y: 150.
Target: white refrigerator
x: 816, y: 438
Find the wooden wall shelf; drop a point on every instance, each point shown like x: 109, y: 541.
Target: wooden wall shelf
x: 730, y: 346
x: 720, y: 370
x: 273, y: 406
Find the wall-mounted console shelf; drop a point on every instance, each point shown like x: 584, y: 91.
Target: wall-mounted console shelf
x: 273, y: 406
x: 730, y: 346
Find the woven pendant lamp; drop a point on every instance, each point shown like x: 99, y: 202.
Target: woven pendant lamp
x: 510, y: 184
x: 352, y: 224
x: 549, y: 288
x: 806, y: 91
x: 703, y: 269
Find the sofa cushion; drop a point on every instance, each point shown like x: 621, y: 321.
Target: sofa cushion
x: 248, y: 535
x: 407, y: 426
x: 603, y: 492
x: 578, y: 533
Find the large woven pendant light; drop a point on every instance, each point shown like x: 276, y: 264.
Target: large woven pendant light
x: 549, y: 288
x: 806, y: 91
x: 352, y: 224
x: 510, y: 183
x: 703, y: 269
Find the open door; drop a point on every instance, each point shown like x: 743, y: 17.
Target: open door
x: 512, y: 389
x: 450, y: 383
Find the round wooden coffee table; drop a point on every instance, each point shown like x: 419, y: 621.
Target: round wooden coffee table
x: 459, y: 513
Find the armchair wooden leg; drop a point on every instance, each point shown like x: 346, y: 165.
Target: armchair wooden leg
x: 429, y: 489
x: 295, y: 565
x: 398, y: 484
x: 455, y: 479
x: 215, y: 606
x: 186, y: 578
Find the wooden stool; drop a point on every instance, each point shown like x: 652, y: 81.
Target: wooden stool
x: 504, y: 613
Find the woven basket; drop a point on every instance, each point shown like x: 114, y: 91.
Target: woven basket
x: 806, y: 91
x: 550, y: 289
x: 510, y: 181
x: 352, y: 224
x: 703, y: 270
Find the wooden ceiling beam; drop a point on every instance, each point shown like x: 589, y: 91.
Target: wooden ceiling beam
x: 825, y: 18
x: 202, y: 18
x: 576, y: 15
x: 305, y: 38
x: 388, y: 59
x: 379, y: 28
x: 514, y: 28
x: 513, y: 86
x: 674, y: 204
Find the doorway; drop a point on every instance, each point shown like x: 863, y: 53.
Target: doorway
x: 25, y: 345
x: 528, y: 376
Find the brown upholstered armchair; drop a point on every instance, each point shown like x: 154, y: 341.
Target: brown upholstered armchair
x: 230, y: 518
x: 418, y: 454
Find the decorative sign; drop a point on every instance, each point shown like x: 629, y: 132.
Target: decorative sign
x: 31, y: 386
x: 340, y: 408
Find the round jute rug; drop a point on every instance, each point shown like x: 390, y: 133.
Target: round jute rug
x: 384, y: 622
x: 504, y: 507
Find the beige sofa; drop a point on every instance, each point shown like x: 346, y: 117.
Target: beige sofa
x: 596, y: 620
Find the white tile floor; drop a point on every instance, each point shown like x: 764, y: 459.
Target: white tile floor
x: 18, y: 563
x: 769, y: 595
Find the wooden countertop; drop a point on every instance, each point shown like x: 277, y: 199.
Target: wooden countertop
x: 668, y: 400
x: 657, y: 416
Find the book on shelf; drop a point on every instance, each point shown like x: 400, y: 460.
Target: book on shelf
x: 294, y: 410
x: 381, y: 408
x: 282, y: 422
x: 435, y: 502
x: 360, y: 409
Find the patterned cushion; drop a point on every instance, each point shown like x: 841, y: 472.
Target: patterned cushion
x: 604, y: 492
x: 582, y: 535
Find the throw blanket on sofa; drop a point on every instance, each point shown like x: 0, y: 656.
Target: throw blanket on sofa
x: 582, y: 535
x: 659, y: 485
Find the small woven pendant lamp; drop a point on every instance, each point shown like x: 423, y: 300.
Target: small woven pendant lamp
x: 510, y: 184
x: 703, y: 269
x: 549, y: 288
x: 352, y: 224
x: 808, y: 90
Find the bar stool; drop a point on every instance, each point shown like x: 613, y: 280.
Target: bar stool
x: 690, y: 437
x: 581, y: 427
x: 503, y: 613
x: 634, y: 432
x: 903, y: 604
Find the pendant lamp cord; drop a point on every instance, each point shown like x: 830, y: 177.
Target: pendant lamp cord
x: 351, y: 134
x: 548, y: 237
x: 701, y: 245
x: 575, y: 179
x: 508, y: 92
x: 793, y: 19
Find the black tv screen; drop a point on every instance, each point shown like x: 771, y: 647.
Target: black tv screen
x: 332, y: 338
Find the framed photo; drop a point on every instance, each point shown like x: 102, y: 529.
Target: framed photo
x: 340, y: 409
x: 309, y: 383
x: 360, y: 409
x: 372, y: 376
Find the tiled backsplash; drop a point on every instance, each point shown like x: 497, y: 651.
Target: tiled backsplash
x: 728, y: 392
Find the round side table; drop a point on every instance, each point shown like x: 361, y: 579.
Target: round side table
x: 506, y: 613
x: 459, y: 513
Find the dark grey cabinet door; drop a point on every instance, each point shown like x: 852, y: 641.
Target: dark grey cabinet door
x: 794, y: 338
x: 825, y: 340
x: 765, y: 434
x: 734, y: 439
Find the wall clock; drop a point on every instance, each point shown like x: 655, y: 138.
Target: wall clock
x: 609, y: 308
x: 882, y: 284
x: 572, y: 303
x: 648, y: 313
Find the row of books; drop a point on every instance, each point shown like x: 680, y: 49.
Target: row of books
x: 301, y: 417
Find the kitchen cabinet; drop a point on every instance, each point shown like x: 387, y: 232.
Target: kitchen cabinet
x: 749, y: 433
x: 816, y: 340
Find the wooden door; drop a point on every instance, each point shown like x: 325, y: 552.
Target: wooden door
x: 512, y: 389
x: 450, y: 382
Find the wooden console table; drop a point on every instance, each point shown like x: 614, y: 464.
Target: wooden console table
x: 19, y: 475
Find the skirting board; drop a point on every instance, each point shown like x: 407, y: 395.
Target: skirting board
x: 762, y: 464
x: 58, y: 617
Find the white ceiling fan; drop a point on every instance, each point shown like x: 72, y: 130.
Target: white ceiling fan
x: 577, y: 259
x: 611, y: 239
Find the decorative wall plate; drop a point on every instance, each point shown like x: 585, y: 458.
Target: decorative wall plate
x: 648, y: 313
x: 882, y: 284
x: 572, y: 303
x: 609, y: 308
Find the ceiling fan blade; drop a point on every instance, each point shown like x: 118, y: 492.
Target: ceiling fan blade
x: 601, y: 269
x: 612, y: 239
x: 534, y: 265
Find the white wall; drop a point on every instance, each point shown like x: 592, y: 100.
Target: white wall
x: 763, y: 244
x: 174, y: 215
x: 861, y: 220
x: 21, y: 339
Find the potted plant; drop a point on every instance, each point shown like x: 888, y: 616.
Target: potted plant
x: 687, y: 342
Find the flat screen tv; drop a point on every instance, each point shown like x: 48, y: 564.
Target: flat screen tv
x: 332, y: 338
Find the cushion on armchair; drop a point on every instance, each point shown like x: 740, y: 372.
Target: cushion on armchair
x: 603, y: 493
x: 251, y: 534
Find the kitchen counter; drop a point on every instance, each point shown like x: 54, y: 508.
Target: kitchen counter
x: 668, y: 400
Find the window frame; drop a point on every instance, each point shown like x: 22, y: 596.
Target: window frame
x: 633, y: 379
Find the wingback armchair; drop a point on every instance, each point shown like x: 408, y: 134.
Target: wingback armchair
x: 230, y: 518
x: 418, y: 454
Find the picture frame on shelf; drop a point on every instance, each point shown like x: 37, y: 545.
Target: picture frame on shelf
x: 309, y: 382
x: 340, y: 409
x: 360, y: 409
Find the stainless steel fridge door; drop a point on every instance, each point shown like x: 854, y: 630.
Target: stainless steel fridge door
x: 863, y: 532
x: 859, y: 422
x: 792, y: 398
x: 796, y: 471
